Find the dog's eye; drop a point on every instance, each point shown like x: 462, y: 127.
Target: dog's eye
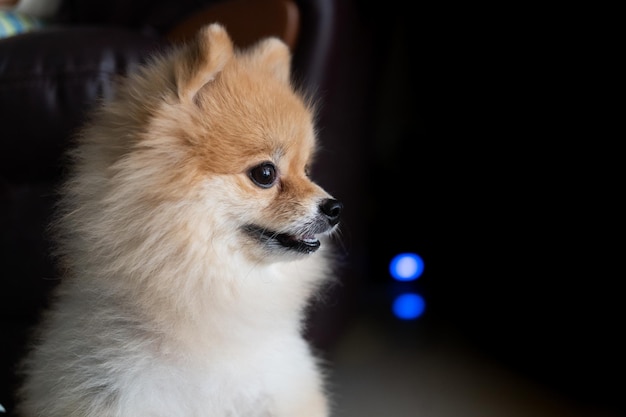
x: 263, y: 175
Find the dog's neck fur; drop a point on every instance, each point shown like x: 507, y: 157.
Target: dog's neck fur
x: 211, y: 290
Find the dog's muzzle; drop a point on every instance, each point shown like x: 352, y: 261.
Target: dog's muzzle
x: 303, y: 238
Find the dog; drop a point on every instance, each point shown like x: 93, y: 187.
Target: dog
x: 191, y: 241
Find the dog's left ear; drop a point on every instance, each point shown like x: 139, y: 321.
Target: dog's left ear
x: 273, y: 55
x: 202, y: 60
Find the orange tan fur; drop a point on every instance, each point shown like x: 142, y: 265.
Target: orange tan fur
x: 187, y: 276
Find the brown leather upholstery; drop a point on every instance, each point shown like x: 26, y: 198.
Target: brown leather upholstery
x: 246, y: 21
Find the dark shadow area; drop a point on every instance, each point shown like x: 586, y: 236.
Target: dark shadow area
x: 472, y: 167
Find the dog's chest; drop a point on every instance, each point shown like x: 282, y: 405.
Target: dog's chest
x: 252, y: 382
x: 166, y: 390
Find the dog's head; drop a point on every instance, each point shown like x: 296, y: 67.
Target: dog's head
x: 224, y: 136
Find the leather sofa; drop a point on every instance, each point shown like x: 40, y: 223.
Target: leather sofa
x: 50, y: 77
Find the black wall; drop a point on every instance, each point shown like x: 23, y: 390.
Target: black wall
x: 483, y: 162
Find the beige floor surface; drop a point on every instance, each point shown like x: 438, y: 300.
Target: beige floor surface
x: 376, y: 375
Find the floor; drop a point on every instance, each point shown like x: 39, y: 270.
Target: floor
x: 380, y: 372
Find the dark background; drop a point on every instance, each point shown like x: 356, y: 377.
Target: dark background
x: 485, y: 158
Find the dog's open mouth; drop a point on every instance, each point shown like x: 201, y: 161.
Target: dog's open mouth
x: 305, y: 243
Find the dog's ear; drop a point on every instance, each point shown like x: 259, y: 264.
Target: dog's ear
x: 202, y: 60
x: 272, y: 55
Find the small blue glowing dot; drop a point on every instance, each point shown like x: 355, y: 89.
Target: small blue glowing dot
x: 408, y: 306
x: 406, y: 267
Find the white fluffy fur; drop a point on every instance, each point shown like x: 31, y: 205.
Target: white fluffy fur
x: 166, y: 309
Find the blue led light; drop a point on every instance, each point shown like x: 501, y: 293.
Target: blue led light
x: 408, y: 306
x: 406, y: 267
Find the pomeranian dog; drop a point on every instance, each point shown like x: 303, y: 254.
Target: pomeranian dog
x: 189, y: 238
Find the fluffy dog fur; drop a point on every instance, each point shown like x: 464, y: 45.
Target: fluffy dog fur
x: 187, y: 235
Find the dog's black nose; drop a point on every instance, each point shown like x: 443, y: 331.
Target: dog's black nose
x: 331, y: 209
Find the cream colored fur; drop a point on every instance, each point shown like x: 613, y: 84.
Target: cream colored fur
x: 166, y: 308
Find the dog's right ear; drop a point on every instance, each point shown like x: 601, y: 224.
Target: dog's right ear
x: 202, y: 60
